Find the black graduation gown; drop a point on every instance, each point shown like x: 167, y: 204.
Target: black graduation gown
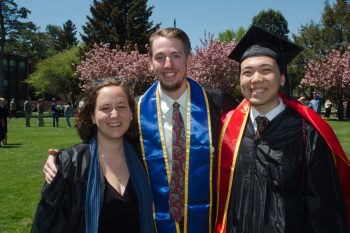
x: 219, y: 102
x: 280, y: 185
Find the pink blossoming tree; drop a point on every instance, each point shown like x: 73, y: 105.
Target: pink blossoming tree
x: 211, y: 67
x: 331, y: 75
x: 101, y: 62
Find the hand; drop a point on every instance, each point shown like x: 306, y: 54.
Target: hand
x: 50, y: 169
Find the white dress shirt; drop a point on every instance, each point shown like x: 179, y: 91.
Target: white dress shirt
x: 270, y: 115
x: 166, y: 106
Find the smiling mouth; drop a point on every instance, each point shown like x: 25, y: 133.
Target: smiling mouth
x: 170, y: 74
x: 115, y: 124
x: 258, y: 91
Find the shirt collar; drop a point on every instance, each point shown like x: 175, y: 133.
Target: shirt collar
x: 270, y: 115
x: 167, y: 102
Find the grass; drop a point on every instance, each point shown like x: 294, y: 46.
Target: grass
x: 342, y: 130
x: 21, y: 163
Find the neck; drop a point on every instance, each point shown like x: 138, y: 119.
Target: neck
x: 174, y: 95
x: 110, y: 148
x: 263, y: 110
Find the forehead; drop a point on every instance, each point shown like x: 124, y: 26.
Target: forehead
x: 106, y: 93
x: 165, y: 44
x: 256, y: 61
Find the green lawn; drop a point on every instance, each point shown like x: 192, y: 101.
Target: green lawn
x: 21, y: 163
x: 22, y: 160
x: 342, y: 130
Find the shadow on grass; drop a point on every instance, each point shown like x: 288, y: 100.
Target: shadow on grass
x: 336, y: 119
x: 11, y: 145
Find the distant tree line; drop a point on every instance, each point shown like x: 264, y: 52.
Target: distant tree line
x: 114, y: 43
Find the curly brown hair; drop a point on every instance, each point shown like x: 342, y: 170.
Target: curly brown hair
x: 83, y: 122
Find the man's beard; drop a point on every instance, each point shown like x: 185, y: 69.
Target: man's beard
x: 172, y: 87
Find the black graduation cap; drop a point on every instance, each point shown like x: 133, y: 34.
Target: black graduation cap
x: 260, y: 42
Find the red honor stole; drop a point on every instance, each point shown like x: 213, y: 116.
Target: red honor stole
x: 233, y: 125
x: 341, y: 161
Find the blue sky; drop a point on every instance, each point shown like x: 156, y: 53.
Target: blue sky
x: 193, y: 16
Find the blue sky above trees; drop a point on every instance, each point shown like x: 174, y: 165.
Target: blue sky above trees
x: 193, y: 16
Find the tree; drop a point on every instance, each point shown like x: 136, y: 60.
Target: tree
x: 273, y: 22
x: 56, y: 75
x: 10, y: 22
x: 66, y: 38
x: 310, y: 38
x: 331, y: 75
x: 34, y: 45
x: 138, y: 27
x: 230, y: 35
x: 54, y: 32
x: 207, y: 39
x: 130, y: 66
x: 336, y: 25
x: 119, y: 23
x: 227, y: 36
x: 212, y: 68
x: 333, y: 32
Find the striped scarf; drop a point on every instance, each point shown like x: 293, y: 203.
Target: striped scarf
x: 94, y: 194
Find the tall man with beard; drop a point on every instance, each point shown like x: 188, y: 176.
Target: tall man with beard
x: 177, y: 99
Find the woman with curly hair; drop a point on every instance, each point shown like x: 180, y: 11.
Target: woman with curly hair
x: 101, y: 185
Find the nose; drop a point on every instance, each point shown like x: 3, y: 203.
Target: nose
x: 114, y: 113
x: 168, y: 62
x: 256, y: 77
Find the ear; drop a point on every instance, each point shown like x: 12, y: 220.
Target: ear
x: 93, y: 119
x: 150, y: 63
x: 283, y: 80
x: 189, y: 60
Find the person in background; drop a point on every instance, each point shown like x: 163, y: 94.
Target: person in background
x: 282, y: 169
x: 40, y: 108
x: 3, y: 118
x: 320, y: 98
x: 54, y: 112
x: 315, y: 103
x: 28, y: 108
x: 81, y: 103
x: 327, y: 108
x: 6, y: 116
x: 346, y: 109
x: 13, y: 108
x: 101, y: 185
x: 68, y: 113
x: 340, y: 110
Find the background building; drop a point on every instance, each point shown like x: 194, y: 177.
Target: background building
x: 16, y: 71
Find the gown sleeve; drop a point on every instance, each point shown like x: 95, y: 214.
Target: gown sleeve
x: 325, y: 203
x: 52, y: 214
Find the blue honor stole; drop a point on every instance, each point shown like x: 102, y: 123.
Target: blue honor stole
x: 199, y: 160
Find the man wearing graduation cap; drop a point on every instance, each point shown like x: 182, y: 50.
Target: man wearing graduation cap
x: 281, y: 167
